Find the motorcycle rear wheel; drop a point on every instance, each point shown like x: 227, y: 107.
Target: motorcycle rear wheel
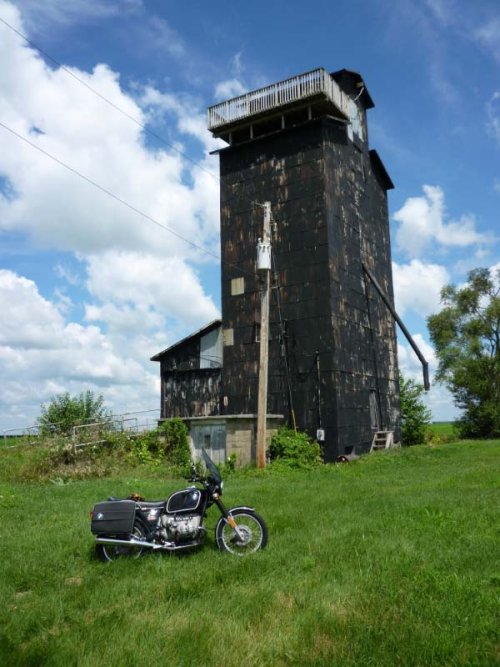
x: 111, y: 552
x: 253, y: 533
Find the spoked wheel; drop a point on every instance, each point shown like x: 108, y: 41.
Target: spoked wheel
x: 109, y: 552
x: 250, y: 536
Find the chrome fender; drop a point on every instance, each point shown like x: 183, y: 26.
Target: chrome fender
x: 241, y: 507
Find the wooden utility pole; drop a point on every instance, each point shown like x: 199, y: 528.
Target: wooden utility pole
x: 264, y: 268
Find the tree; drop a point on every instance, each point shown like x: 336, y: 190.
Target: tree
x: 466, y: 335
x: 415, y: 416
x: 64, y: 411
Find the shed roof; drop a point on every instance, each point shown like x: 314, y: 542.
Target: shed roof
x: 204, y: 330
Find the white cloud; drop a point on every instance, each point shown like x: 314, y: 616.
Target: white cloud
x: 463, y: 266
x: 408, y: 361
x: 62, y: 301
x: 422, y: 221
x: 480, y: 25
x: 41, y: 354
x: 167, y: 285
x: 446, y: 90
x: 228, y: 89
x: 67, y: 12
x: 488, y: 35
x: 417, y: 287
x: 58, y: 209
x: 32, y: 322
x: 438, y: 399
x: 493, y: 117
x: 143, y: 292
x: 441, y: 10
x: 125, y: 320
x: 66, y: 273
x: 184, y: 110
x: 237, y: 66
x: 157, y: 35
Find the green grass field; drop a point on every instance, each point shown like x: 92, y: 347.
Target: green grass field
x: 443, y: 429
x: 390, y: 560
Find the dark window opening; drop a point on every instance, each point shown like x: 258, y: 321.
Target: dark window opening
x: 374, y: 411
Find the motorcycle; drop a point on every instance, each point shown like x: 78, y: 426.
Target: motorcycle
x: 129, y: 526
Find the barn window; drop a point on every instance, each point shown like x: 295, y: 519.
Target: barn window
x: 211, y: 349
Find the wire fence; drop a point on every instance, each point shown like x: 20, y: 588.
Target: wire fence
x: 84, y: 434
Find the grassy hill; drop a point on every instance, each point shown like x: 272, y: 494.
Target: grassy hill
x: 390, y: 560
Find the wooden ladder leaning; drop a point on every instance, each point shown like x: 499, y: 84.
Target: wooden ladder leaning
x: 382, y: 440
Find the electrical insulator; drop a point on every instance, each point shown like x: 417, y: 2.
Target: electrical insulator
x: 263, y: 255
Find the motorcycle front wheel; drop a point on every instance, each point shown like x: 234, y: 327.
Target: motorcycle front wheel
x: 110, y: 552
x: 250, y: 536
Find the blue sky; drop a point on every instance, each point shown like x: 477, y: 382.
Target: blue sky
x: 90, y: 290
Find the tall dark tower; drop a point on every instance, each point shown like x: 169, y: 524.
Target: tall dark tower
x: 302, y: 144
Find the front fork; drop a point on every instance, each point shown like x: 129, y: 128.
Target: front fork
x: 227, y: 515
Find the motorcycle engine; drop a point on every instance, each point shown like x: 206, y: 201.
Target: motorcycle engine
x: 181, y: 527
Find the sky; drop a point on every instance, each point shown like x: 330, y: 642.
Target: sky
x: 95, y: 274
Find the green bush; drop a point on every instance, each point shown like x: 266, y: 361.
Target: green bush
x: 174, y: 435
x: 145, y: 448
x: 294, y: 448
x: 63, y: 412
x: 165, y: 447
x: 415, y: 416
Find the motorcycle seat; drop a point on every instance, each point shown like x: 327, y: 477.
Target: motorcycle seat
x: 144, y: 504
x: 151, y: 503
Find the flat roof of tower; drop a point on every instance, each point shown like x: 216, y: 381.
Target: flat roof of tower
x: 314, y: 86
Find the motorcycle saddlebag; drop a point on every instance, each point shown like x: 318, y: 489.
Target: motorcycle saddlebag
x: 115, y: 517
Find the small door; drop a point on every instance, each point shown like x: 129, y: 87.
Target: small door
x: 212, y: 438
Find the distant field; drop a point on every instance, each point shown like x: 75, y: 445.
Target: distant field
x: 446, y: 429
x: 389, y: 560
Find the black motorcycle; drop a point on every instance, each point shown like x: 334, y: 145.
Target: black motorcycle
x: 126, y: 527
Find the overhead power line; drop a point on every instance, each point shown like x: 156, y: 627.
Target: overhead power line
x: 136, y: 122
x: 152, y: 133
x: 122, y: 201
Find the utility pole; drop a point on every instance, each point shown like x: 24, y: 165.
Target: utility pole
x: 264, y: 268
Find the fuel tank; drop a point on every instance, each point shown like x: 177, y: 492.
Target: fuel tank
x: 185, y: 501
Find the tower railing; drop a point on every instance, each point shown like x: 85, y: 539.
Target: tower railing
x: 297, y: 88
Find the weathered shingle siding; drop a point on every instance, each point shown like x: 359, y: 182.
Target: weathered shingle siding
x: 331, y: 214
x: 187, y: 390
x: 191, y: 393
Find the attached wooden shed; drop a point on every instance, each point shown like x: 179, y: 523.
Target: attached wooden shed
x: 190, y: 374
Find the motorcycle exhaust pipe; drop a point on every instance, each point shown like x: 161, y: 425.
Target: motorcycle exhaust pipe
x: 167, y: 546
x: 128, y: 543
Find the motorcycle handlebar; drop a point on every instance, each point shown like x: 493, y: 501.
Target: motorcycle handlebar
x: 194, y: 477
